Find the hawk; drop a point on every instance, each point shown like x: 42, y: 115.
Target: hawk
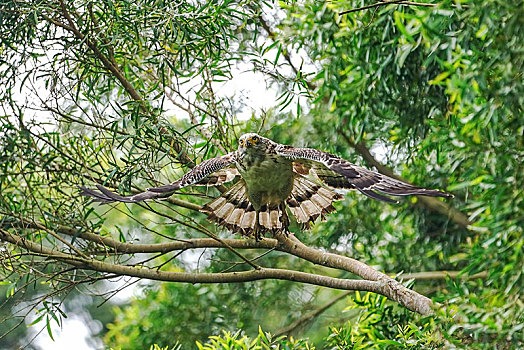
x: 273, y: 178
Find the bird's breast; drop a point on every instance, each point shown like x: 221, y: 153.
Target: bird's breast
x: 267, y: 174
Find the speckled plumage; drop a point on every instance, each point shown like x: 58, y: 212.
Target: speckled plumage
x: 272, y: 179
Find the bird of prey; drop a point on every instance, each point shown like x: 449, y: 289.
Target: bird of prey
x: 273, y: 178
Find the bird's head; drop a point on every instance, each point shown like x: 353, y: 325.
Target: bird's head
x: 252, y: 142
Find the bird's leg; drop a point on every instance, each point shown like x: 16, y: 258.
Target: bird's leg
x: 256, y: 200
x: 284, y: 219
x: 257, y: 229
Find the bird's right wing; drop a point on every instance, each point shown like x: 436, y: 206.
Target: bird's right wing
x: 209, y: 172
x: 339, y: 173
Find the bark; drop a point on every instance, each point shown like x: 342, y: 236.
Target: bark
x: 387, y: 286
x: 155, y: 274
x: 373, y: 280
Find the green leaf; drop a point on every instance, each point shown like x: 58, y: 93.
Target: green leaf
x: 439, y: 78
x: 38, y: 319
x: 398, y: 16
x: 465, y: 184
x: 48, y: 326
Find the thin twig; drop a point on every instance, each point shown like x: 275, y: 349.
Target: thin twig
x: 310, y: 316
x: 384, y: 3
x: 399, y: 2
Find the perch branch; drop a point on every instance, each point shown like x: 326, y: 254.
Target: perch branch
x: 384, y: 284
x: 154, y: 274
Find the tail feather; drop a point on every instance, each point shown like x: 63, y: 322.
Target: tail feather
x: 226, y: 209
x: 309, y: 200
x: 247, y: 223
x: 264, y: 218
x: 235, y: 216
x: 303, y: 195
x: 296, y: 209
x: 306, y: 202
x: 321, y: 197
x: 234, y: 211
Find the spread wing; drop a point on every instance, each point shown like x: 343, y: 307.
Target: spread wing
x: 219, y: 177
x: 210, y: 172
x: 339, y: 173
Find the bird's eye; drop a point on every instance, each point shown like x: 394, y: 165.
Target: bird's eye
x: 241, y: 143
x: 254, y: 139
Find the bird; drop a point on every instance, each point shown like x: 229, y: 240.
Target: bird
x: 273, y: 178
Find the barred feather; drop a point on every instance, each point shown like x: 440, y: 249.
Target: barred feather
x: 308, y: 200
x: 339, y: 173
x: 219, y: 177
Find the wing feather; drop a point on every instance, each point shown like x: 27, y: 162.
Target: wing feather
x: 200, y: 174
x: 219, y: 177
x: 339, y: 173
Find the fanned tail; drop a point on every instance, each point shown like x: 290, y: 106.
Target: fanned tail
x: 306, y: 202
x: 309, y: 200
x: 234, y: 211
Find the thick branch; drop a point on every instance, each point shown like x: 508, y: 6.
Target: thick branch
x: 133, y: 248
x: 118, y: 247
x: 154, y: 274
x: 388, y: 287
x: 289, y: 244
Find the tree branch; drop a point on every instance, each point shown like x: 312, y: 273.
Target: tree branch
x: 384, y: 3
x: 286, y: 243
x: 419, y: 276
x: 110, y: 64
x: 440, y: 275
x: 154, y: 274
x: 118, y: 247
x: 285, y: 52
x: 388, y: 286
x: 311, y: 315
x: 382, y: 283
x: 105, y: 61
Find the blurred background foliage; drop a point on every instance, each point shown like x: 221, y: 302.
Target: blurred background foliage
x: 130, y: 94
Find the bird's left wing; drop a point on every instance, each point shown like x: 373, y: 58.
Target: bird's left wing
x: 209, y: 172
x: 339, y: 173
